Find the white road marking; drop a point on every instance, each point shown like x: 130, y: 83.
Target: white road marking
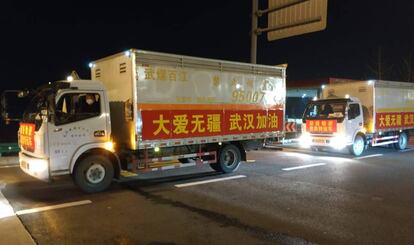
x: 10, y: 166
x: 46, y: 208
x: 369, y: 156
x: 304, y: 166
x: 250, y: 161
x: 6, y: 209
x: 209, y: 181
x: 12, y: 222
x: 411, y: 149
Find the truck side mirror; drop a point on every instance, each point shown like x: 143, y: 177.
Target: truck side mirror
x: 22, y: 93
x: 353, y: 111
x: 13, y: 102
x: 3, y: 107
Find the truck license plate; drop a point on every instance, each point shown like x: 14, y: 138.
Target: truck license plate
x: 320, y: 141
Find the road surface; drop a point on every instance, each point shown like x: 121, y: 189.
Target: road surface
x: 291, y: 196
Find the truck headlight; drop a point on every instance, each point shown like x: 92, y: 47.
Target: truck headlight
x: 37, y: 166
x: 338, y: 142
x: 305, y: 140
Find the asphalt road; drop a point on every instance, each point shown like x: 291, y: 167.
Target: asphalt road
x: 331, y: 199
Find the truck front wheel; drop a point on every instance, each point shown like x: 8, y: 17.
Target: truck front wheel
x: 94, y: 173
x: 402, y: 141
x: 229, y: 159
x: 357, y: 148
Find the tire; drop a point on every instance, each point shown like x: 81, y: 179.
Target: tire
x: 402, y: 141
x: 358, y: 146
x: 94, y: 173
x: 229, y: 159
x: 216, y: 167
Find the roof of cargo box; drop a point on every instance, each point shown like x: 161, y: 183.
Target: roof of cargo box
x: 392, y: 84
x: 85, y: 84
x: 157, y: 58
x: 376, y: 83
x: 333, y: 100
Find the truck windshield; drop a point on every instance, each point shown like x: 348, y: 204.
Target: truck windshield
x: 38, y: 103
x: 325, y: 110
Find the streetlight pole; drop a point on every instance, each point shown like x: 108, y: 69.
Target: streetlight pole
x: 253, y: 48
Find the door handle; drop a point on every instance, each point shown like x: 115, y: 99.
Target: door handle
x: 360, y: 124
x: 99, y: 133
x: 57, y: 130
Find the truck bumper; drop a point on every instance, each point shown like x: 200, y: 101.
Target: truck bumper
x: 33, y: 166
x: 335, y: 142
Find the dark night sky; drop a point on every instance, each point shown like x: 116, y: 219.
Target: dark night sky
x: 42, y: 42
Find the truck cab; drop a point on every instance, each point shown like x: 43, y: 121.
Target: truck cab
x: 335, y: 123
x: 64, y: 122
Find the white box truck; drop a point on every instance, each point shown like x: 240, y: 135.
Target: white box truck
x: 358, y: 115
x: 144, y: 111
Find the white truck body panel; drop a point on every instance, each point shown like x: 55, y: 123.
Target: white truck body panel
x: 381, y: 98
x: 151, y: 81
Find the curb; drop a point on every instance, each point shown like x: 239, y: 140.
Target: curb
x: 9, y: 160
x: 11, y: 228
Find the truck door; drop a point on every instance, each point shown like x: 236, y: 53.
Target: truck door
x: 79, y: 120
x: 355, y: 120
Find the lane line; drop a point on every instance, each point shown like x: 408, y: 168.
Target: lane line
x: 304, y: 166
x: 250, y: 161
x: 10, y: 166
x: 210, y: 181
x: 6, y: 209
x: 369, y: 156
x: 12, y: 222
x: 46, y: 208
x: 411, y: 149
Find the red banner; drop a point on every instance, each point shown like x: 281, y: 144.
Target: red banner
x: 394, y: 120
x: 26, y: 136
x: 163, y: 124
x: 321, y: 126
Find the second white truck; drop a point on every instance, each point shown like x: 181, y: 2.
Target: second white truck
x: 360, y: 114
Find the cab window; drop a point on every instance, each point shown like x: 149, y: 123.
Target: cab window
x: 354, y: 111
x: 73, y: 107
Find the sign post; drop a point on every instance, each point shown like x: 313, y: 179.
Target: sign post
x: 288, y: 18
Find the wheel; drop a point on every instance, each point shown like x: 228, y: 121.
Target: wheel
x: 216, y: 167
x: 402, y: 141
x: 94, y: 173
x: 358, y: 147
x: 229, y: 159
